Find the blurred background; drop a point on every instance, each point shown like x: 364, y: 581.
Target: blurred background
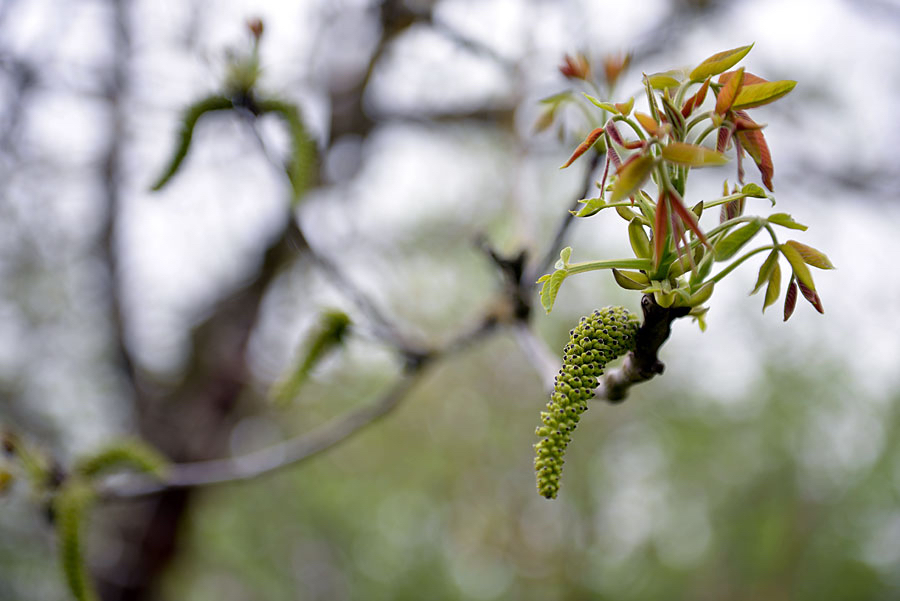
x: 764, y: 464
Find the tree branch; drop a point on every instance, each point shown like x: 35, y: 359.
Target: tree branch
x: 643, y: 362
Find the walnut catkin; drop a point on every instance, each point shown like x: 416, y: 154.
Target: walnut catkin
x: 598, y: 338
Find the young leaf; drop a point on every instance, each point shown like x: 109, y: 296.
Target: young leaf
x: 625, y: 107
x: 798, y: 265
x: 632, y: 176
x: 785, y: 220
x: 758, y: 94
x: 754, y: 142
x: 584, y: 146
x: 774, y: 287
x: 661, y: 81
x: 692, y: 155
x: 592, y: 206
x: 753, y: 191
x: 719, y: 62
x: 730, y: 244
x: 551, y: 287
x: 729, y: 92
x: 811, y: 256
x: 790, y: 299
x: 702, y: 295
x: 631, y: 280
x: 765, y: 272
x: 640, y: 242
x: 70, y: 508
x: 749, y: 78
x: 606, y: 106
x: 188, y: 121
x: 687, y: 216
x: 695, y: 100
x: 648, y: 123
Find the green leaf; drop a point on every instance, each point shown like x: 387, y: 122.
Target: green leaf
x: 606, y: 106
x: 762, y: 93
x: 719, y: 62
x: 765, y: 271
x: 785, y: 220
x: 624, y: 108
x: 692, y: 155
x: 811, y: 256
x: 730, y: 244
x: 773, y: 290
x: 702, y: 295
x: 188, y: 121
x: 661, y: 81
x: 551, y: 288
x: 631, y: 280
x: 631, y: 177
x: 565, y: 254
x: 592, y: 206
x: 753, y: 191
x: 798, y: 265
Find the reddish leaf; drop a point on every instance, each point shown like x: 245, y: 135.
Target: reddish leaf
x: 724, y: 138
x: 813, y: 297
x: 576, y: 68
x: 695, y: 100
x: 687, y: 216
x: 811, y: 256
x: 660, y: 227
x: 648, y: 123
x: 613, y: 133
x: 584, y: 146
x: 614, y: 157
x: 729, y: 92
x: 790, y: 299
x: 632, y: 175
x: 749, y: 78
x: 625, y: 107
x: 754, y: 142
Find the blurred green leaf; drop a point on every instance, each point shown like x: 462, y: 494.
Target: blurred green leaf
x: 692, y: 155
x: 730, y: 244
x: 785, y: 220
x: 719, y: 62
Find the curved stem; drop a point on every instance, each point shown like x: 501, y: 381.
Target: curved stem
x: 733, y: 266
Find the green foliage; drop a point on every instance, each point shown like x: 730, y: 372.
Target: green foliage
x: 597, y: 339
x: 677, y: 252
x: 70, y: 507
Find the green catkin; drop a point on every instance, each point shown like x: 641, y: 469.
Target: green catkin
x: 130, y: 454
x: 71, y: 506
x: 598, y: 338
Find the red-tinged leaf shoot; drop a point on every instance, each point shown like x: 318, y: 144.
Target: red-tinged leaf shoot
x: 613, y: 66
x: 719, y: 62
x: 687, y: 216
x: 790, y: 299
x: 632, y: 175
x: 584, y: 146
x: 749, y: 78
x: 811, y: 256
x: 660, y: 229
x: 576, y: 68
x: 727, y: 94
x: 754, y: 142
x: 723, y: 139
x: 696, y: 100
x: 813, y: 297
x: 613, y: 132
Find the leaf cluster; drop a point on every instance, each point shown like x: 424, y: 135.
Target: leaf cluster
x: 674, y: 256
